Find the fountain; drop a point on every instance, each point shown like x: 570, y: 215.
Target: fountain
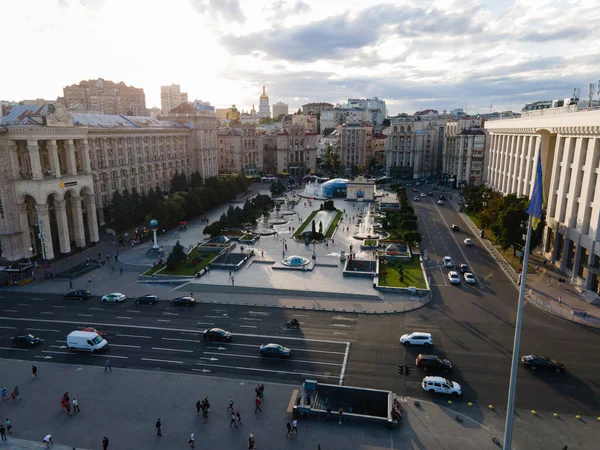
x: 295, y: 261
x: 313, y: 190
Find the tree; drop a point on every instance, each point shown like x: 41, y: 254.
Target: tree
x: 320, y: 227
x: 176, y: 257
x: 411, y: 237
x: 409, y: 225
x: 401, y: 272
x: 386, y: 123
x: 179, y: 182
x: 328, y: 130
x: 214, y: 229
x: 196, y: 180
x: 508, y: 227
x: 314, y: 228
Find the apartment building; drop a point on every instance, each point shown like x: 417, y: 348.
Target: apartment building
x: 464, y: 151
x: 355, y: 145
x: 239, y: 148
x: 170, y: 97
x: 296, y: 151
x: 316, y: 108
x: 280, y: 108
x: 105, y: 97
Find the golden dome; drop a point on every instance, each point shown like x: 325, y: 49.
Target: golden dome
x: 264, y: 94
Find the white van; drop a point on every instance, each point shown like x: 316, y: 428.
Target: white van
x: 88, y: 341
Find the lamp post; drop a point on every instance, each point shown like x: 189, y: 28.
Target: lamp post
x: 484, y: 196
x: 42, y: 236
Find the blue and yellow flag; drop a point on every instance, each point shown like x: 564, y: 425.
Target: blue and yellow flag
x: 537, y: 196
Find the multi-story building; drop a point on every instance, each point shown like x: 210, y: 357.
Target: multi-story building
x: 463, y: 154
x: 308, y: 121
x: 331, y: 118
x: 356, y: 145
x: 280, y: 108
x: 62, y: 169
x: 264, y: 110
x: 375, y: 107
x: 170, y: 97
x: 105, y: 97
x: 296, y: 151
x: 569, y: 144
x: 316, y: 108
x: 379, y: 140
x: 239, y: 148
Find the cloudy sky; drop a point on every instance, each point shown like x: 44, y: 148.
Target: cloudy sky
x: 441, y: 54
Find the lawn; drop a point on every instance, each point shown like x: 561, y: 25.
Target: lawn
x: 333, y: 225
x: 413, y: 274
x: 308, y: 221
x: 187, y: 268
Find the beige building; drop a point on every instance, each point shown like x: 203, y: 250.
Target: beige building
x: 309, y: 122
x: 279, y: 108
x: 316, y: 108
x: 239, y: 148
x: 170, y: 97
x: 379, y: 141
x: 355, y: 145
x: 569, y: 143
x: 296, y: 151
x: 464, y: 151
x: 105, y: 97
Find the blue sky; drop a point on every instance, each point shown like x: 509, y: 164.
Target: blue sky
x: 414, y: 54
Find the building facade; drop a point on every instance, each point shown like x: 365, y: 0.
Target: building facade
x: 376, y: 109
x: 464, y: 151
x: 355, y: 145
x: 307, y: 121
x: 170, y: 97
x: 240, y: 149
x: 105, y: 97
x: 280, y: 108
x: 316, y: 108
x: 296, y: 151
x: 569, y: 144
x: 264, y: 110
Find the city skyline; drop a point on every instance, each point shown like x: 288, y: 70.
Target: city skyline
x: 480, y: 54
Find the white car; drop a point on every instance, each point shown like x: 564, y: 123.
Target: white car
x: 115, y: 297
x: 441, y: 385
x: 453, y: 277
x: 423, y: 194
x: 416, y: 338
x: 468, y: 242
x: 416, y: 199
x: 440, y: 202
x: 469, y: 278
x: 447, y: 261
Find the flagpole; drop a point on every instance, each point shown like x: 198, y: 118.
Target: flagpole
x: 510, y: 409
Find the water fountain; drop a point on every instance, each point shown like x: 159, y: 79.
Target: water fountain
x: 313, y: 190
x: 295, y: 261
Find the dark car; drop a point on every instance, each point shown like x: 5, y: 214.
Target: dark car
x: 78, y: 295
x: 275, y: 350
x: 463, y: 268
x: 217, y: 334
x: 535, y: 362
x: 433, y: 363
x: 183, y: 301
x: 25, y: 341
x: 146, y: 300
x: 442, y: 197
x: 430, y: 194
x: 455, y: 227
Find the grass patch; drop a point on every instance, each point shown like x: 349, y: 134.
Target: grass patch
x: 154, y: 269
x: 306, y: 223
x: 332, y: 227
x: 412, y: 274
x: 188, y: 268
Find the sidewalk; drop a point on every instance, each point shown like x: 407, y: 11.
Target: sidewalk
x: 543, y: 290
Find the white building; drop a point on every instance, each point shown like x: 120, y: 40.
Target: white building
x: 170, y: 97
x: 264, y: 110
x: 570, y: 149
x: 463, y: 154
x: 280, y: 108
x: 375, y: 106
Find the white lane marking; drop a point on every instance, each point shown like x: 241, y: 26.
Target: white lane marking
x: 214, y: 317
x: 352, y: 319
x: 134, y: 311
x: 146, y: 327
x: 85, y: 315
x: 205, y: 323
x: 36, y: 298
x: 42, y: 329
x: 11, y: 310
x: 126, y: 346
x: 247, y: 326
x: 162, y: 360
x: 180, y: 340
x: 343, y: 325
x: 262, y: 357
x: 124, y: 317
x: 291, y: 348
x: 301, y: 315
x: 166, y: 313
x: 13, y: 348
x: 284, y: 372
x: 260, y: 313
x: 46, y: 312
x: 343, y: 372
x: 59, y: 353
x: 220, y: 310
x: 133, y: 336
x: 251, y: 318
x: 163, y: 320
x: 9, y: 328
x: 22, y: 304
x: 111, y: 356
x: 172, y: 350
x: 340, y: 333
x: 96, y: 309
x: 59, y: 306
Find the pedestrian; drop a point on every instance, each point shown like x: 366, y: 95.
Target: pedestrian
x: 233, y: 420
x: 559, y: 300
x: 261, y: 391
x: 230, y: 403
x: 198, y: 405
x: 8, y: 425
x: 16, y: 394
x: 548, y: 281
x: 289, y: 430
x: 294, y: 426
x: 340, y: 416
x: 232, y: 281
x: 75, y: 405
x: 2, y: 432
x: 104, y: 443
x: 257, y: 403
x: 206, y: 403
x: 158, y: 425
x: 230, y: 274
x: 4, y: 393
x: 205, y: 413
x: 121, y: 270
x: 107, y: 365
x: 192, y: 440
x: 34, y: 371
x: 238, y: 417
x: 68, y: 406
x: 70, y: 284
x: 89, y: 280
x: 48, y: 440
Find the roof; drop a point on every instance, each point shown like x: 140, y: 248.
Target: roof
x: 22, y: 114
x: 184, y: 108
x: 121, y: 121
x: 473, y: 131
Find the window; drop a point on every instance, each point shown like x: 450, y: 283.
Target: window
x: 103, y: 187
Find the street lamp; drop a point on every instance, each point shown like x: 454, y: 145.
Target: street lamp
x: 484, y: 196
x: 42, y: 236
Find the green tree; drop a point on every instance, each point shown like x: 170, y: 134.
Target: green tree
x: 214, y: 229
x: 176, y: 257
x: 118, y: 211
x: 508, y: 227
x: 314, y: 228
x: 411, y: 237
x: 328, y: 130
x: 320, y: 227
x: 196, y: 180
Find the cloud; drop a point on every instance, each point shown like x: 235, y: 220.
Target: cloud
x: 220, y: 9
x: 568, y: 34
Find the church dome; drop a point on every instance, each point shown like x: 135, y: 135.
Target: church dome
x: 264, y: 94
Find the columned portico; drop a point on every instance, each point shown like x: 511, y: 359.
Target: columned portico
x: 54, y: 163
x: 92, y: 219
x: 34, y: 159
x: 60, y: 209
x: 77, y: 214
x: 71, y: 161
x: 43, y: 216
x: 25, y: 233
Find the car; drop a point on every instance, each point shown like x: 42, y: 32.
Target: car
x: 430, y: 194
x: 408, y: 184
x: 442, y: 197
x: 433, y: 363
x: 416, y: 199
x: 93, y: 330
x: 535, y: 362
x: 455, y: 227
x: 217, y: 334
x: 417, y: 183
x: 183, y: 301
x: 146, y: 300
x: 453, y: 277
x: 25, y: 341
x: 415, y: 190
x: 447, y: 261
x: 423, y: 195
x: 115, y: 297
x: 275, y: 350
x: 463, y: 268
x: 78, y: 295
x: 468, y: 242
x: 440, y: 202
x: 416, y: 338
x: 469, y: 277
x: 441, y: 385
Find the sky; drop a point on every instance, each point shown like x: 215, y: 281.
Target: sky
x: 443, y: 54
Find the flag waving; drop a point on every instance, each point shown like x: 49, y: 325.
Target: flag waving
x: 537, y: 196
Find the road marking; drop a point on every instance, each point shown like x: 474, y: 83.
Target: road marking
x: 59, y: 353
x: 10, y: 310
x: 340, y: 325
x: 9, y: 328
x: 214, y: 317
x: 166, y: 313
x: 262, y: 357
x: 172, y: 350
x: 85, y: 315
x: 162, y: 360
x: 345, y: 364
x: 134, y: 311
x: 96, y: 309
x: 180, y: 340
x: 340, y: 333
x: 36, y: 298
x: 133, y: 336
x: 16, y: 349
x: 292, y: 348
x: 284, y: 372
x: 353, y: 319
x: 126, y: 346
x: 251, y: 318
x: 147, y: 327
x: 42, y: 329
x: 247, y: 326
x: 301, y: 315
x: 205, y: 323
x: 110, y: 357
x: 260, y: 313
x: 59, y: 306
x: 124, y: 317
x: 24, y: 304
x: 163, y: 320
x: 220, y: 310
x: 46, y: 312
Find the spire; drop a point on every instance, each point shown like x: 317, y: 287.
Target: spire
x: 264, y: 93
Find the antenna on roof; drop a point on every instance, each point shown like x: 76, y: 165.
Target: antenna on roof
x: 576, y: 92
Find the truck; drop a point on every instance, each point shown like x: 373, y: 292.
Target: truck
x: 87, y: 341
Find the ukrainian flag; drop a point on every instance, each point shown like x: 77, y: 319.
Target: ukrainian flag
x: 537, y: 196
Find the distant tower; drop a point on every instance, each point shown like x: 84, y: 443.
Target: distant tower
x: 264, y: 110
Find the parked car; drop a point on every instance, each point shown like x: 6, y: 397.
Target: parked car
x: 93, y: 330
x: 115, y: 297
x: 146, y: 300
x: 408, y: 184
x: 78, y: 295
x: 416, y: 199
x: 469, y: 278
x: 440, y: 202
x: 535, y: 362
x: 455, y: 227
x: 447, y: 261
x: 468, y: 242
x: 275, y: 350
x: 442, y: 197
x: 441, y: 385
x: 430, y: 194
x: 416, y: 338
x: 183, y: 301
x: 25, y: 341
x: 423, y: 195
x: 217, y: 334
x: 433, y: 363
x: 463, y: 268
x: 453, y: 277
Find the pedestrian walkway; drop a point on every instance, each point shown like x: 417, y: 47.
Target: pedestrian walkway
x: 21, y: 444
x: 543, y: 288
